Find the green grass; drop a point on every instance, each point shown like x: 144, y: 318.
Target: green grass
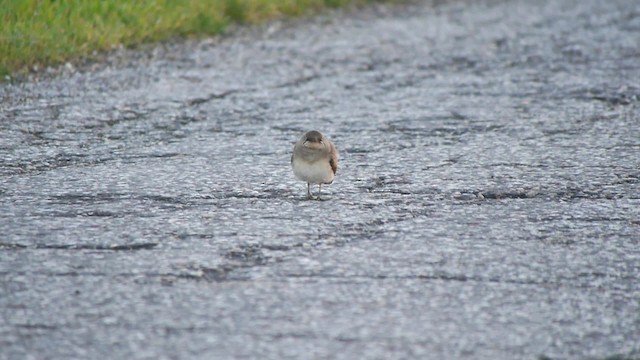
x: 54, y: 31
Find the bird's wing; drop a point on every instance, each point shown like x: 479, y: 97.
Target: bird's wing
x: 333, y: 159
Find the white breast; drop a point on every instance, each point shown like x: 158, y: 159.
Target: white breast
x: 318, y: 172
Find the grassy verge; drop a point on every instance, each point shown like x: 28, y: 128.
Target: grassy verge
x: 53, y: 31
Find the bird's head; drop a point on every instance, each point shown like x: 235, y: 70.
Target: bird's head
x: 313, y: 140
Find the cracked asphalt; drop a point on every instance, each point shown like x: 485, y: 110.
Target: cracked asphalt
x: 487, y: 203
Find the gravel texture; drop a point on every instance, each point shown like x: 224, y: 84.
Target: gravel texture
x: 487, y: 204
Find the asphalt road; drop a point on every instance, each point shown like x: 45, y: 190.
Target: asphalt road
x: 487, y: 203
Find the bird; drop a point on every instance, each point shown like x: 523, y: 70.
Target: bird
x: 314, y: 160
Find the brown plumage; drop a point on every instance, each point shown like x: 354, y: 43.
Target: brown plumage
x: 315, y: 160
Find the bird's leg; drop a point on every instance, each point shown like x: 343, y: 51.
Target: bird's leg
x: 309, y: 196
x: 319, y: 191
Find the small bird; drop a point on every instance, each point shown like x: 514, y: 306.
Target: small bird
x: 314, y: 160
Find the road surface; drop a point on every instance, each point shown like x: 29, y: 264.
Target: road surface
x: 487, y: 203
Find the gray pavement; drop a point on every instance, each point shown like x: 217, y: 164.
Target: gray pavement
x: 487, y: 204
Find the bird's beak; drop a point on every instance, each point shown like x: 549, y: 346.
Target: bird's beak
x: 313, y: 145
